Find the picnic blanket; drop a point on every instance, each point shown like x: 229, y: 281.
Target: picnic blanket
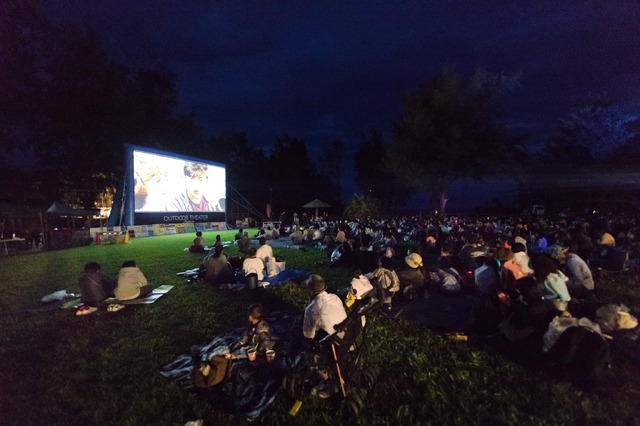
x: 286, y: 275
x: 156, y: 294
x: 250, y: 387
x: 56, y: 300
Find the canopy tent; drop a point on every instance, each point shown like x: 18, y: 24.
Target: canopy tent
x: 21, y: 222
x: 62, y: 210
x: 62, y: 229
x: 316, y: 204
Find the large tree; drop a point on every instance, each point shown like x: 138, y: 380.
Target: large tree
x: 247, y: 191
x: 294, y: 176
x: 71, y: 107
x: 376, y: 181
x: 448, y: 130
x: 593, y: 129
x: 331, y: 164
x: 593, y: 155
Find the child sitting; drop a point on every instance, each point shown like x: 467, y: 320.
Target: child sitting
x: 258, y: 334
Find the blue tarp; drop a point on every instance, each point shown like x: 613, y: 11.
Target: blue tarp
x: 250, y: 387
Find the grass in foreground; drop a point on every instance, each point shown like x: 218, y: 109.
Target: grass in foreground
x: 102, y: 369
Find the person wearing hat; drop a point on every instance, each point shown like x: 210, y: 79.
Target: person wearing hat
x: 472, y: 249
x: 575, y: 268
x: 323, y: 312
x: 413, y: 278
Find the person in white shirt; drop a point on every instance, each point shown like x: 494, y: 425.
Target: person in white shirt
x: 360, y: 284
x: 253, y: 265
x: 265, y: 252
x: 324, y: 312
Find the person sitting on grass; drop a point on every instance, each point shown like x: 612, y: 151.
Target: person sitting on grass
x: 198, y: 244
x: 253, y: 265
x: 580, y: 277
x: 387, y: 281
x: 258, y: 334
x: 95, y: 286
x: 296, y: 236
x: 264, y: 252
x: 529, y: 315
x: 324, y: 312
x: 244, y: 243
x: 132, y: 283
x: 412, y: 278
x: 516, y: 267
x: 217, y: 268
x: 360, y: 286
x: 552, y: 280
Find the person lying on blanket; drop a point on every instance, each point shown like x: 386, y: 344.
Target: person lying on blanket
x: 258, y: 334
x: 131, y: 282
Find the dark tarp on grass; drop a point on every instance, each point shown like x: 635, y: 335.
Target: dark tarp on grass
x: 250, y: 387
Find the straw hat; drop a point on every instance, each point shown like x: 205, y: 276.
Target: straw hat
x: 414, y: 260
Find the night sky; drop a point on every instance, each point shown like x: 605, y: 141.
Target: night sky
x: 336, y: 69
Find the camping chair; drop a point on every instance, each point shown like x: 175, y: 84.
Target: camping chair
x: 614, y: 262
x: 337, y: 361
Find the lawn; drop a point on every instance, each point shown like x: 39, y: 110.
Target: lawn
x: 102, y: 369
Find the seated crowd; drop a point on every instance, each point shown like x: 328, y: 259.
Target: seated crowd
x: 523, y: 274
x: 530, y: 279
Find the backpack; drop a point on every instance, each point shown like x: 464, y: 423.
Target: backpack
x: 389, y: 281
x: 450, y: 280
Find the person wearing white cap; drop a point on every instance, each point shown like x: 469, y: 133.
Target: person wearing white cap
x: 325, y: 310
x: 412, y: 279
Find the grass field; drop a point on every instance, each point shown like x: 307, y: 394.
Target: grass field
x: 102, y: 369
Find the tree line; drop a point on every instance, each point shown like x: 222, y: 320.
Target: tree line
x: 68, y: 109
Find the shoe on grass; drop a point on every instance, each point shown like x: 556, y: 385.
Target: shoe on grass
x: 115, y: 307
x: 86, y: 310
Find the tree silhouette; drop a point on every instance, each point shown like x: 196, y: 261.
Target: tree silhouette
x: 373, y: 179
x: 448, y: 131
x: 71, y: 107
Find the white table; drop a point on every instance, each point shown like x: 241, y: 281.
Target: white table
x: 9, y: 240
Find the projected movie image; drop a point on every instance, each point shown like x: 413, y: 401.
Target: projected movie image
x: 171, y: 184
